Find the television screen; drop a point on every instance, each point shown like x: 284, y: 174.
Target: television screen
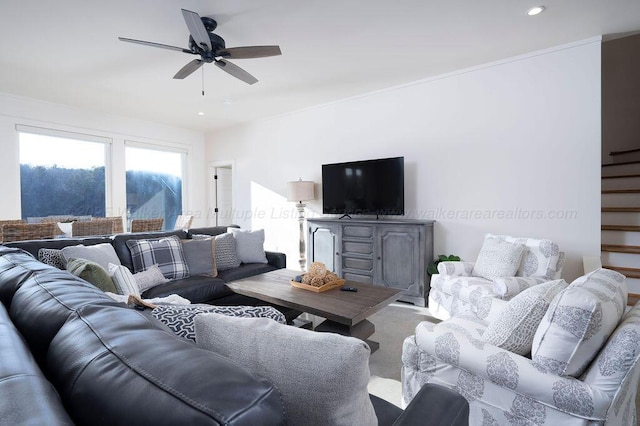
x: 371, y: 187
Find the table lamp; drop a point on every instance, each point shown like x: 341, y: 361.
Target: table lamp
x: 299, y: 191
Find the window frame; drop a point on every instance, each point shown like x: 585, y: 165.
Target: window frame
x: 82, y: 137
x: 172, y: 148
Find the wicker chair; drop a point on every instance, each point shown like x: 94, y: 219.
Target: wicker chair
x: 183, y: 221
x: 146, y: 225
x: 118, y: 228
x: 9, y: 222
x: 28, y: 231
x: 92, y: 227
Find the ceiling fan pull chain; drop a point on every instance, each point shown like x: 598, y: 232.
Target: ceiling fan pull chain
x: 202, y: 81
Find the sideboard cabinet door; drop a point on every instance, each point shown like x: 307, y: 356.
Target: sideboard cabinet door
x: 324, y: 245
x: 400, y: 262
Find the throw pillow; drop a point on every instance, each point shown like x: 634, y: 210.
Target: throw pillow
x: 149, y: 278
x: 200, y: 256
x: 91, y: 272
x: 322, y: 376
x: 226, y: 257
x: 180, y: 319
x: 542, y: 258
x: 103, y: 254
x: 165, y: 252
x: 123, y: 280
x: 515, y: 326
x: 498, y: 258
x: 580, y: 319
x: 52, y: 257
x: 249, y: 245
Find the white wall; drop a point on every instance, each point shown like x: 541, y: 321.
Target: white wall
x: 504, y: 139
x: 16, y: 110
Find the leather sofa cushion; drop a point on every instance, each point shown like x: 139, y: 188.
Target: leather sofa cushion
x: 28, y: 398
x: 198, y: 289
x: 245, y: 270
x: 112, y: 365
x: 44, y: 300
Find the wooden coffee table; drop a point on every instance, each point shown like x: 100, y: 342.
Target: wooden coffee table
x: 345, y: 312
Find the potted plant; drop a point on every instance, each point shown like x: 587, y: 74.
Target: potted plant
x: 433, y: 268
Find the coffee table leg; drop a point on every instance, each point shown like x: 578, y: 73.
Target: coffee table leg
x: 361, y: 330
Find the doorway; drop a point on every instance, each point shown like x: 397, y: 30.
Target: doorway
x: 222, y: 194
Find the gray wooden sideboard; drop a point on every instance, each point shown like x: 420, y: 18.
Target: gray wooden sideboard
x: 390, y: 253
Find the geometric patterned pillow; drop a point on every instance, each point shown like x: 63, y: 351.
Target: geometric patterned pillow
x: 165, y: 252
x: 52, y: 257
x: 578, y: 322
x: 180, y: 318
x: 226, y: 257
x: 515, y: 326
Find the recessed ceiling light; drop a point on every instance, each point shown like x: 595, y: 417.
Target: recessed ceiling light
x: 201, y: 113
x: 535, y: 10
x: 227, y: 102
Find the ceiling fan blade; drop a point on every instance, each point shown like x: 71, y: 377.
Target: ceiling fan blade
x: 152, y: 44
x: 196, y: 28
x: 249, y: 52
x: 236, y: 71
x: 188, y: 69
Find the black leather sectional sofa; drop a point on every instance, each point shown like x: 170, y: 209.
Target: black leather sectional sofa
x: 71, y: 355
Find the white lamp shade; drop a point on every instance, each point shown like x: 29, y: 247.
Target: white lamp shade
x: 300, y: 190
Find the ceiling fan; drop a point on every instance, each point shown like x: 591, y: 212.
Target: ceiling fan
x: 211, y: 48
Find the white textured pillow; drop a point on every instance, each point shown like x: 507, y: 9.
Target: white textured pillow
x: 515, y: 326
x: 150, y: 278
x: 249, y: 245
x: 578, y: 322
x: 322, y: 376
x: 123, y: 280
x: 508, y: 287
x: 541, y: 258
x: 498, y: 258
x: 103, y: 254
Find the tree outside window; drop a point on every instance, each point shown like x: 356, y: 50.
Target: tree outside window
x: 61, y: 174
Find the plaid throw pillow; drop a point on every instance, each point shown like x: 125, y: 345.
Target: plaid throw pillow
x: 164, y: 252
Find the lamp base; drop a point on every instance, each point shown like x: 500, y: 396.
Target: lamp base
x: 303, y: 250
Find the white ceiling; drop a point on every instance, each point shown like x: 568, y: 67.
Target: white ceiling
x: 68, y: 52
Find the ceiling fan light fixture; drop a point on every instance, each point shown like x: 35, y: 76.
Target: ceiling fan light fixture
x: 535, y: 10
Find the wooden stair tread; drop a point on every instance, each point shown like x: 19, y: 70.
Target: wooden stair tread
x: 628, y: 272
x: 620, y: 176
x: 626, y: 151
x: 621, y: 163
x: 632, y: 299
x: 621, y: 191
x: 620, y: 209
x: 619, y: 248
x: 620, y: 228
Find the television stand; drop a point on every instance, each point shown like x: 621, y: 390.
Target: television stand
x: 392, y: 253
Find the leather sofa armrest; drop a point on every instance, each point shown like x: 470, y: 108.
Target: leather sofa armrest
x: 435, y: 404
x: 276, y: 259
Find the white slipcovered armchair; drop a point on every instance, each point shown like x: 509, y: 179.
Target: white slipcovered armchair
x: 500, y: 272
x: 579, y: 366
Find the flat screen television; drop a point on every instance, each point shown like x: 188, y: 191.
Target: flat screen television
x: 371, y: 187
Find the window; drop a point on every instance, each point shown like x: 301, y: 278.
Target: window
x: 154, y: 183
x: 61, y: 174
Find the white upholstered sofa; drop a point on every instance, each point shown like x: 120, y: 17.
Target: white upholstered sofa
x: 460, y: 286
x: 554, y: 354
